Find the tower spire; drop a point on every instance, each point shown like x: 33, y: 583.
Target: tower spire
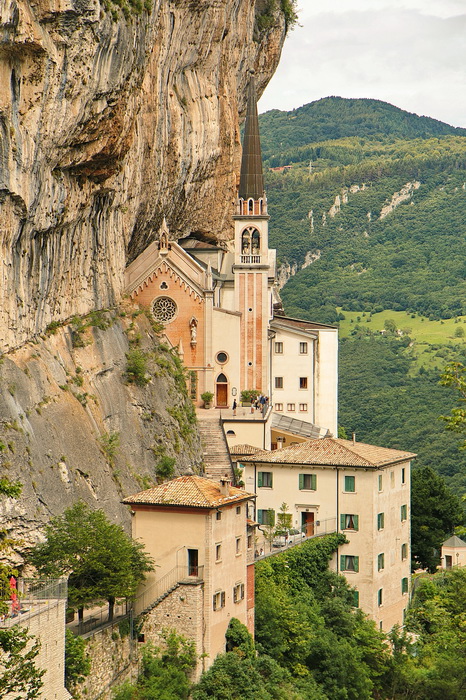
x: 251, y: 180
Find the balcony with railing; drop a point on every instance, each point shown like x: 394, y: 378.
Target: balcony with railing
x: 266, y: 545
x: 250, y: 259
x: 29, y: 597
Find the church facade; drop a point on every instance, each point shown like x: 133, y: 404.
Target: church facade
x: 219, y: 306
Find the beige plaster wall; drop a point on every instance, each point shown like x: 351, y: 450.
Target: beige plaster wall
x: 291, y: 365
x: 326, y: 380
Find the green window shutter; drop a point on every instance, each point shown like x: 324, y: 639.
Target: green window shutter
x: 301, y: 481
x: 349, y: 484
x: 260, y: 516
x: 313, y: 482
x: 342, y: 521
x: 404, y: 585
x: 356, y: 563
x: 271, y: 479
x: 342, y: 562
x: 259, y: 479
x: 270, y: 517
x: 355, y: 599
x: 356, y: 522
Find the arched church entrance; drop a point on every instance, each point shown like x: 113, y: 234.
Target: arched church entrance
x: 221, y: 391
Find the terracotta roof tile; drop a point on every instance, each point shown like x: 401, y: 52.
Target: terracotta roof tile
x: 332, y: 452
x: 244, y: 450
x: 194, y: 491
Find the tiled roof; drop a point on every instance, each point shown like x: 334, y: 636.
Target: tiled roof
x: 194, y: 491
x: 332, y: 452
x: 244, y: 450
x: 454, y: 541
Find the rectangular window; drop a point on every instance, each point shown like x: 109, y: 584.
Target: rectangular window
x: 238, y: 510
x: 278, y: 382
x: 404, y: 512
x: 355, y: 601
x: 380, y: 521
x: 218, y: 515
x: 218, y: 552
x: 303, y: 382
x: 303, y: 406
x: 303, y: 348
x: 348, y: 562
x: 279, y: 348
x: 380, y: 597
x: 238, y: 592
x: 290, y: 406
x: 381, y: 562
x: 349, y: 521
x: 238, y: 545
x: 380, y: 482
x: 350, y: 484
x: 404, y: 550
x: 392, y: 479
x: 218, y: 600
x: 308, y: 482
x: 249, y: 541
x: 266, y: 517
x: 265, y: 480
x: 279, y: 407
x: 403, y: 475
x: 404, y: 585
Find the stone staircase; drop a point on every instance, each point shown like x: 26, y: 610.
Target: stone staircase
x: 214, y: 447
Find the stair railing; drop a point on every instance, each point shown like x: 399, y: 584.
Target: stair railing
x: 179, y: 574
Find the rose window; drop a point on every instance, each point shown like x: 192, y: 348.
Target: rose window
x: 164, y: 309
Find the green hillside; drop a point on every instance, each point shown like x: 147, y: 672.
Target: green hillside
x: 378, y: 221
x: 336, y: 118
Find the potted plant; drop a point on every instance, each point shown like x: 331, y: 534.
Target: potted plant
x: 207, y: 397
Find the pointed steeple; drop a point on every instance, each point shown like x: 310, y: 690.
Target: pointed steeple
x: 251, y: 179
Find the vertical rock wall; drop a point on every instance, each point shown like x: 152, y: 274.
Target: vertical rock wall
x: 106, y: 125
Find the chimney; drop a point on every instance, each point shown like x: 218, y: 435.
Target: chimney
x: 354, y: 438
x: 225, y: 483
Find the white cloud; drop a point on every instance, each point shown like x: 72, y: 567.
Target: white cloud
x: 393, y: 53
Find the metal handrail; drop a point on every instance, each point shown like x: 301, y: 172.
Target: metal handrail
x: 265, y: 547
x: 179, y: 574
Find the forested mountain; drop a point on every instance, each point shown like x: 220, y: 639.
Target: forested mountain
x: 369, y: 216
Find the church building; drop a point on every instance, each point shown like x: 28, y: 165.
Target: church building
x: 221, y: 309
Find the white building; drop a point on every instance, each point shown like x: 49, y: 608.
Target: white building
x: 363, y: 491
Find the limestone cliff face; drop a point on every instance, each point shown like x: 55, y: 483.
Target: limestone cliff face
x: 107, y: 125
x: 73, y: 427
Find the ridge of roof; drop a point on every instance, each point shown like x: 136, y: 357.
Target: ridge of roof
x: 189, y: 491
x: 333, y: 452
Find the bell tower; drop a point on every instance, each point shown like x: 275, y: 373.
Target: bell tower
x: 254, y: 273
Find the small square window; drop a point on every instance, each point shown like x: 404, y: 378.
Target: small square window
x: 265, y: 480
x: 278, y: 382
x: 348, y: 562
x: 279, y: 348
x: 308, y: 482
x: 238, y: 592
x: 350, y: 484
x: 349, y: 521
x: 266, y: 517
x: 218, y: 600
x: 303, y: 407
x: 291, y: 407
x: 279, y: 407
x: 303, y: 348
x: 303, y: 382
x: 218, y: 552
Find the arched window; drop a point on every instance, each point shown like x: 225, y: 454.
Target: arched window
x: 256, y: 242
x: 250, y: 206
x: 246, y: 243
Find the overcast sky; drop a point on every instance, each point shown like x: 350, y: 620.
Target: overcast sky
x: 411, y: 53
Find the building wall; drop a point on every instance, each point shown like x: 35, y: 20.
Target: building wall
x: 226, y: 338
x: 169, y: 533
x: 457, y: 554
x: 291, y: 365
x: 326, y: 380
x: 247, y: 432
x: 326, y: 504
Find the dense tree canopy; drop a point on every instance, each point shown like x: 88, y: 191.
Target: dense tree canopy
x: 101, y: 560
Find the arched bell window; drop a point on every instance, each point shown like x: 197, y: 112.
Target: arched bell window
x: 250, y: 206
x: 255, y: 242
x: 246, y: 243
